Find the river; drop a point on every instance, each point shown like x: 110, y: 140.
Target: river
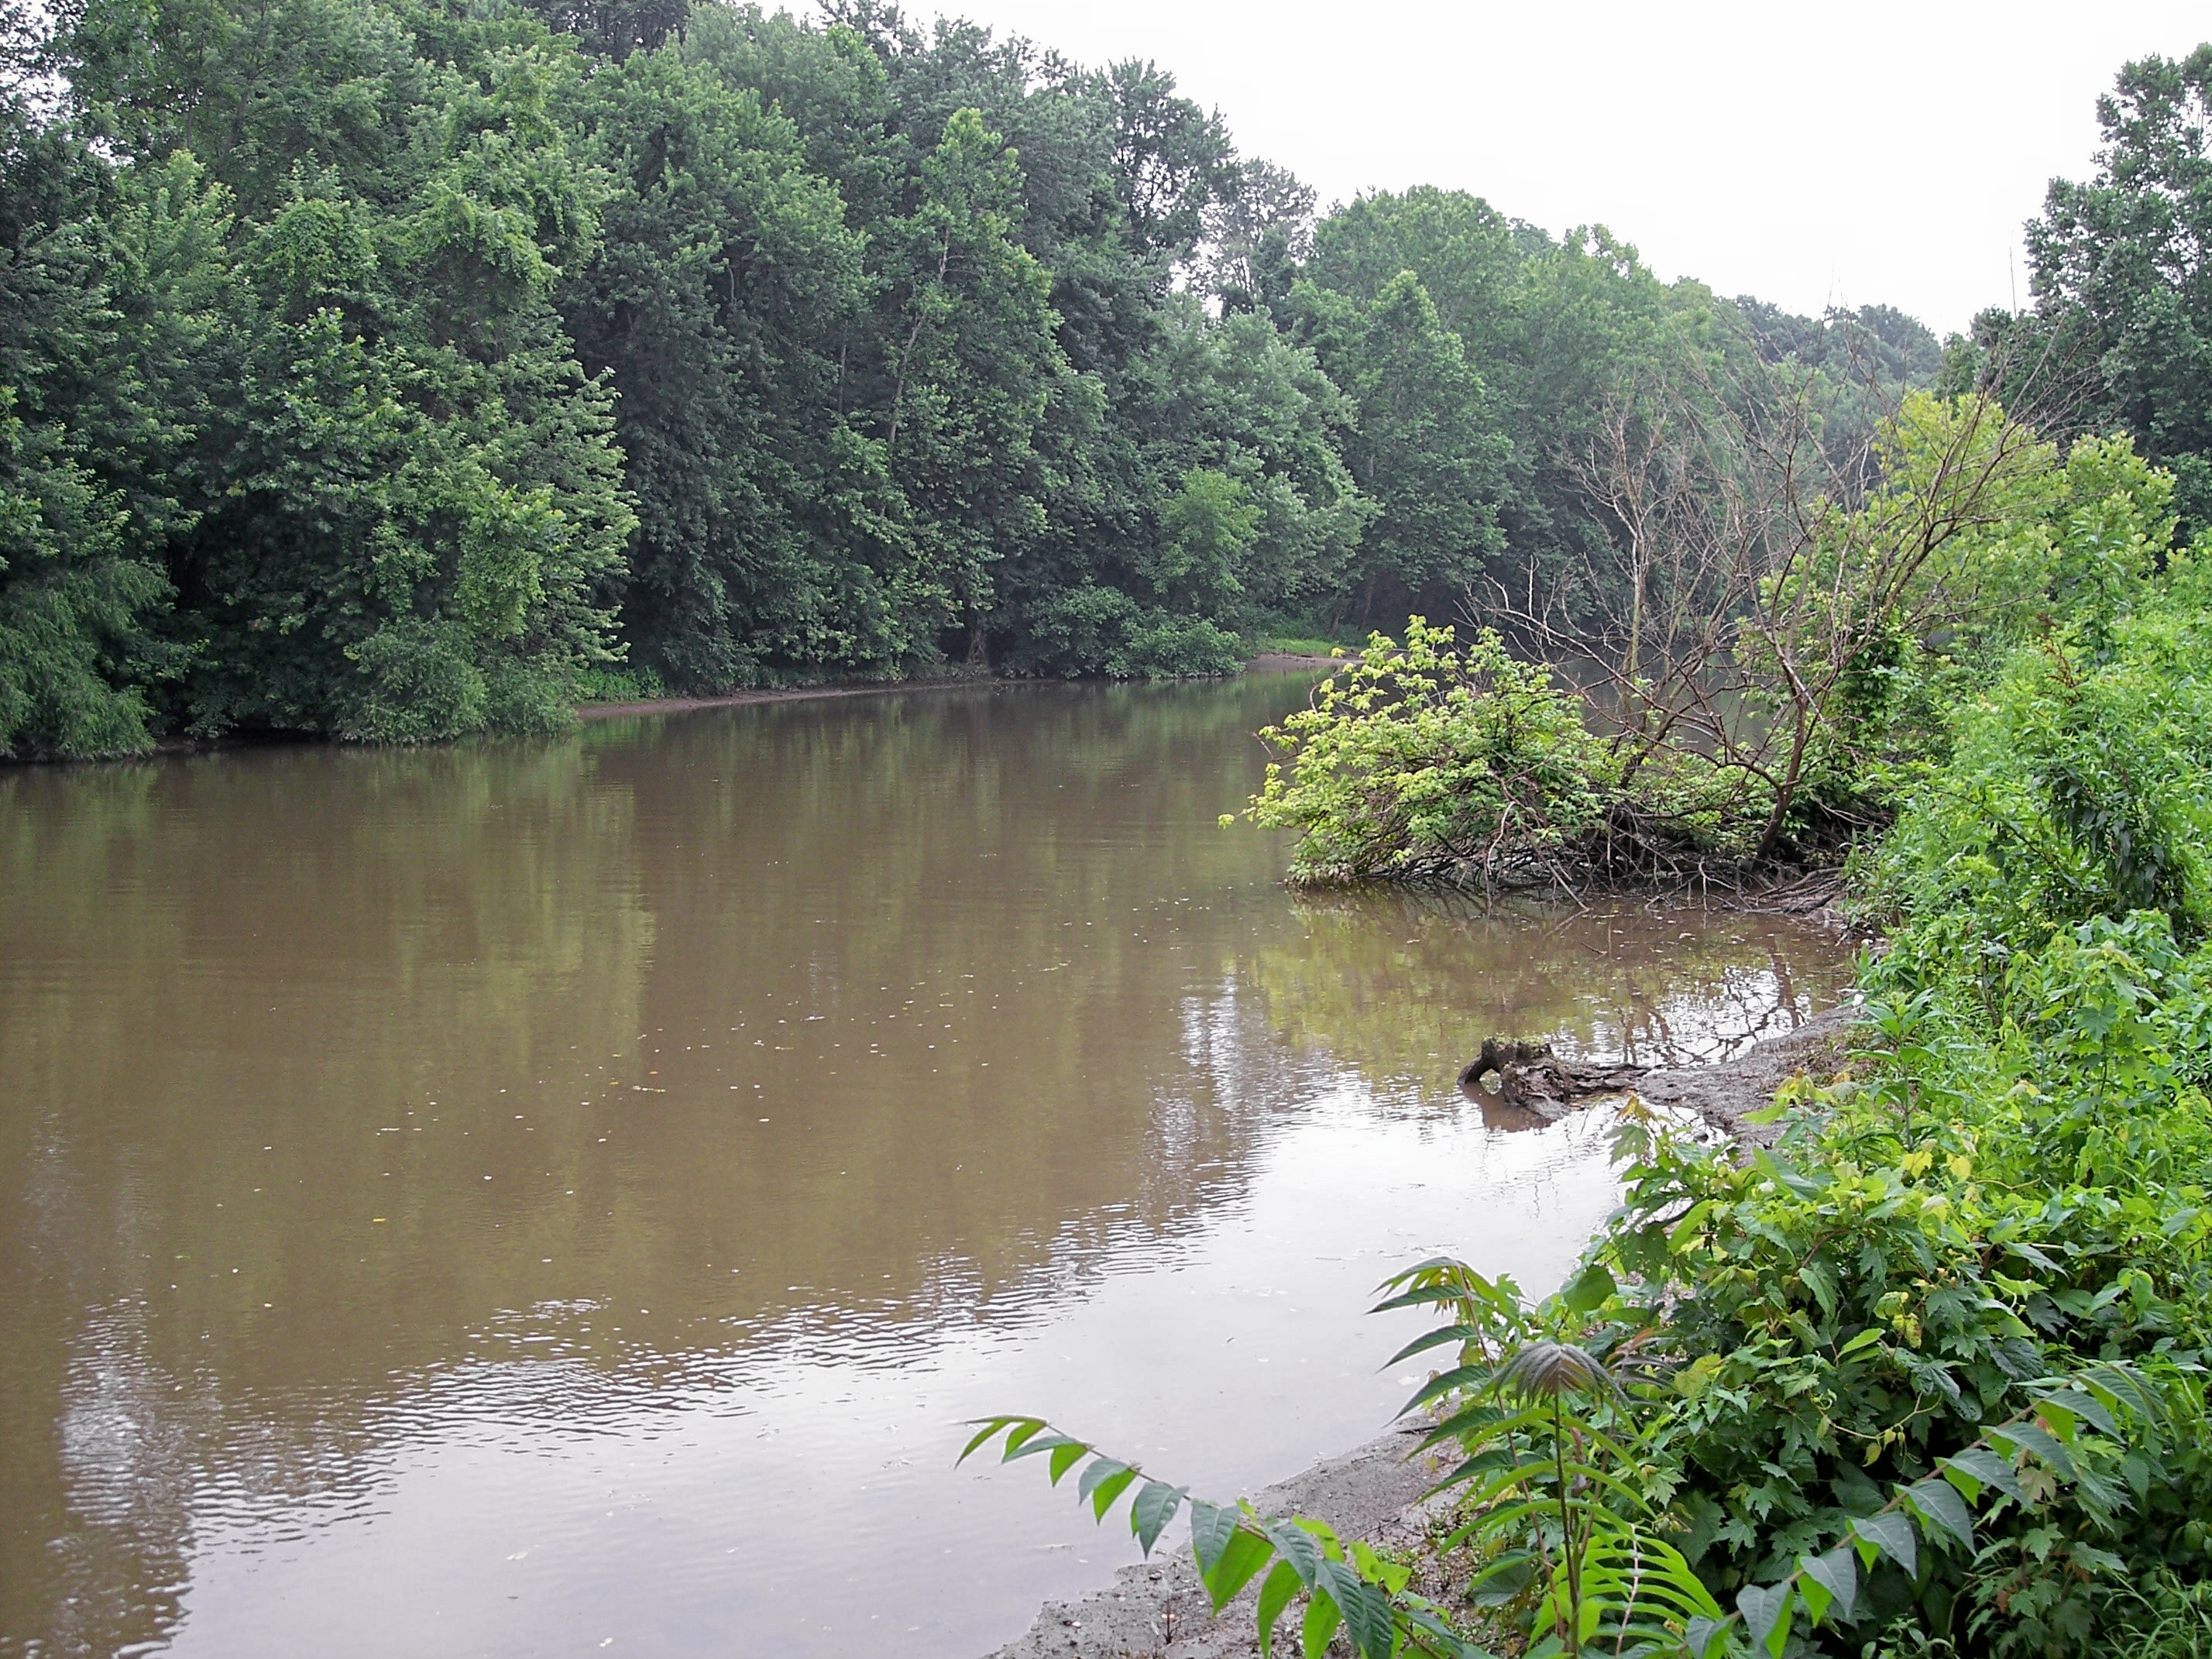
x: 563, y: 1197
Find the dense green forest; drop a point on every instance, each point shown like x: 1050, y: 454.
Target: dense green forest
x: 394, y: 370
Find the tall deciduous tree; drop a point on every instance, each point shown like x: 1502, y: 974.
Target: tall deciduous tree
x: 974, y: 376
x: 1427, y: 451
x: 720, y: 302
x: 2124, y: 257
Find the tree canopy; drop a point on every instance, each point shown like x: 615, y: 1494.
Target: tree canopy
x: 397, y: 369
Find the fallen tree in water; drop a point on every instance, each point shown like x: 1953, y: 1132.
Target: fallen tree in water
x: 1731, y: 1096
x: 1529, y: 1075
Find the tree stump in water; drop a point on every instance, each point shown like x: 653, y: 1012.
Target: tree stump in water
x: 1531, y: 1076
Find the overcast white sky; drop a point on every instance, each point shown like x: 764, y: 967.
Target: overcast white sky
x: 1846, y: 154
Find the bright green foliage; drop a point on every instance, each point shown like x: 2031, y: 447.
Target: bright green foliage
x: 2076, y: 791
x: 1929, y: 1374
x: 1211, y: 523
x: 1955, y: 1319
x: 1564, y: 1495
x: 1844, y: 675
x: 1427, y: 761
x: 1928, y: 1371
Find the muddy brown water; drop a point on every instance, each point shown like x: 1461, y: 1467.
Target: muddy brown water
x: 561, y: 1198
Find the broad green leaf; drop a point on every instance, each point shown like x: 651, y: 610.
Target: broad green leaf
x: 1032, y: 1444
x: 1111, y: 1484
x: 2035, y: 1258
x: 1155, y: 1506
x: 1025, y: 1429
x: 1322, y: 1617
x: 2126, y: 1388
x: 1275, y: 1594
x: 1837, y: 1572
x: 991, y: 1427
x: 1706, y: 1638
x: 1820, y: 1278
x: 1817, y: 1595
x: 1365, y: 1608
x: 1298, y: 1549
x: 1502, y: 1579
x: 2081, y: 1403
x: 1979, y: 1467
x: 1766, y: 1609
x: 1244, y: 1555
x: 1588, y: 1289
x: 1935, y: 1502
x: 1891, y: 1535
x: 2038, y: 1441
x: 1392, y: 1576
x: 1066, y: 1457
x: 1212, y: 1527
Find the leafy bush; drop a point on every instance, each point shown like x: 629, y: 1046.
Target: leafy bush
x: 1164, y: 648
x: 1102, y: 630
x: 1430, y: 761
x: 618, y: 683
x: 1802, y: 718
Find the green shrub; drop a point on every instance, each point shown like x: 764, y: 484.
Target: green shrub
x: 1164, y: 648
x: 617, y: 682
x: 1092, y: 630
x: 1433, y: 762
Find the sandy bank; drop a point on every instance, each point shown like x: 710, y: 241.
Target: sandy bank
x: 1159, y: 1608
